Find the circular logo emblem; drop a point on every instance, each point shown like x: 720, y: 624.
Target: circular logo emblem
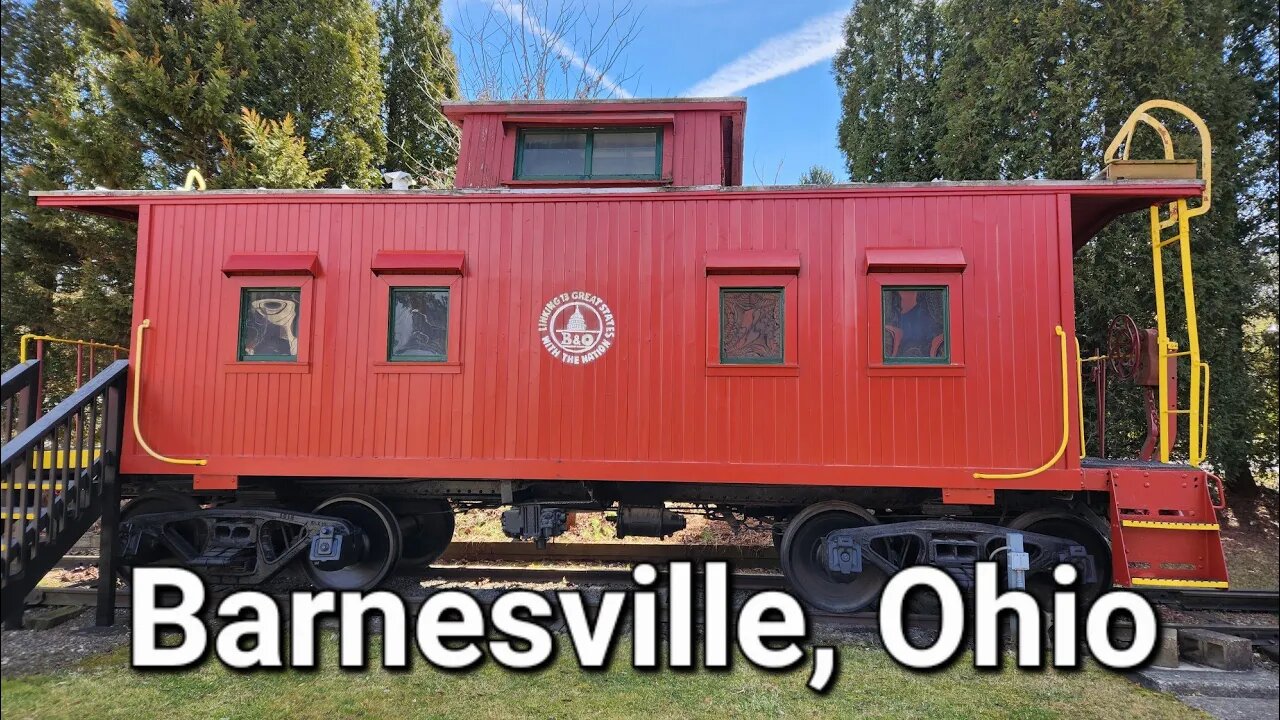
x: 576, y: 327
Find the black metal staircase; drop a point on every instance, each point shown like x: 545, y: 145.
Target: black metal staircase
x: 58, y: 475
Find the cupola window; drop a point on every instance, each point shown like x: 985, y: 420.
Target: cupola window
x: 599, y: 154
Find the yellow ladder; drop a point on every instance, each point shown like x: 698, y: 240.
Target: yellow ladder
x: 1178, y: 217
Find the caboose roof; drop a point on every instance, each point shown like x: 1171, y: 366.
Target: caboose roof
x: 1094, y: 203
x: 457, y: 110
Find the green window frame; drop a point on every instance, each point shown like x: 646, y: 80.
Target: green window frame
x: 780, y: 359
x: 246, y: 301
x: 945, y: 358
x: 391, y: 324
x: 591, y: 134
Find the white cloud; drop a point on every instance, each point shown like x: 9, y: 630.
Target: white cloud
x: 516, y: 11
x: 810, y: 44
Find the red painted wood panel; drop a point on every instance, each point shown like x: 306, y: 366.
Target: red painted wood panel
x: 271, y: 264
x: 486, y: 156
x: 649, y: 408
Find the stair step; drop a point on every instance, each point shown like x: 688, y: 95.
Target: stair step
x: 1160, y: 525
x: 70, y: 482
x: 31, y: 486
x: 58, y: 459
x: 1173, y: 582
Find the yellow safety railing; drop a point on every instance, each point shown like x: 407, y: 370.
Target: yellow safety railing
x: 194, y: 178
x: 1179, y: 217
x: 137, y: 402
x: 25, y: 340
x: 1204, y: 410
x: 1066, y: 422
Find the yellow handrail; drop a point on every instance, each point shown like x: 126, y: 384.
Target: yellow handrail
x: 137, y: 402
x: 194, y: 178
x: 28, y: 337
x: 1139, y: 114
x: 1066, y: 423
x: 1180, y: 214
x: 1204, y: 412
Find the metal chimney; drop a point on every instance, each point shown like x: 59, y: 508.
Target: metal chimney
x: 398, y: 179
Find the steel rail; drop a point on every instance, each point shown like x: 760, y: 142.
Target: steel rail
x: 1234, y: 601
x: 740, y: 557
x: 468, y: 562
x: 1263, y: 635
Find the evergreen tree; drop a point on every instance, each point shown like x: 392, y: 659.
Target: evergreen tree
x: 887, y: 73
x: 1037, y: 89
x: 275, y: 155
x: 817, y: 175
x: 64, y: 274
x: 318, y: 60
x: 1253, y: 54
x: 178, y: 70
x: 1010, y: 92
x: 182, y: 71
x: 419, y: 72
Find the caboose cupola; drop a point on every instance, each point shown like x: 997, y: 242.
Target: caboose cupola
x: 599, y: 143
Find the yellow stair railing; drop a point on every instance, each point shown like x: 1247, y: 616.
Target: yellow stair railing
x: 1178, y: 217
x: 24, y: 342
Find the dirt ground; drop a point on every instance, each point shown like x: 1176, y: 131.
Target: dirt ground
x: 1250, y: 537
x: 486, y: 526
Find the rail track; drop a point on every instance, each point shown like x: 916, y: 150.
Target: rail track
x: 515, y: 562
x: 599, y: 564
x: 1263, y: 635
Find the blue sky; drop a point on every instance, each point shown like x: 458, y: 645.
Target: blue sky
x: 776, y: 54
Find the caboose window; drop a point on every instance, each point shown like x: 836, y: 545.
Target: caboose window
x: 916, y: 327
x: 610, y: 153
x: 269, y: 324
x: 752, y: 325
x: 419, y: 324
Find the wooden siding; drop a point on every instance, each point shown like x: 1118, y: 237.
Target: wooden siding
x: 649, y: 408
x: 693, y: 152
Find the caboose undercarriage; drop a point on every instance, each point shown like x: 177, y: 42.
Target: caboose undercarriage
x: 837, y: 545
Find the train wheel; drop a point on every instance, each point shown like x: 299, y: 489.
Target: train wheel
x: 801, y: 556
x: 1077, y: 530
x: 159, y: 501
x: 425, y: 535
x: 379, y: 543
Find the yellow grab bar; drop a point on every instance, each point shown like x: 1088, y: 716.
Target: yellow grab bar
x: 137, y: 401
x: 1204, y: 417
x: 194, y: 178
x: 1139, y: 114
x: 22, y: 345
x: 1066, y: 423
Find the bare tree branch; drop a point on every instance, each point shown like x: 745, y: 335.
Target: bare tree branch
x: 538, y: 49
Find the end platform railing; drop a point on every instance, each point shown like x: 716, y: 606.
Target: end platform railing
x: 58, y: 475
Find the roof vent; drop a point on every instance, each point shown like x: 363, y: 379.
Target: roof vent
x: 398, y: 179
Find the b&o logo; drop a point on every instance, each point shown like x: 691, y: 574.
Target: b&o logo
x: 576, y: 327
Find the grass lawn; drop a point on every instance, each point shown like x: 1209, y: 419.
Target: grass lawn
x: 870, y: 685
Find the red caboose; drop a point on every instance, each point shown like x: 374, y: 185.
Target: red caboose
x: 600, y: 317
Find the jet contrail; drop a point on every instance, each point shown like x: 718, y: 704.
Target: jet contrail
x: 812, y: 43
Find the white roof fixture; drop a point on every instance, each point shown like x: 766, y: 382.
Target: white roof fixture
x: 398, y: 179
